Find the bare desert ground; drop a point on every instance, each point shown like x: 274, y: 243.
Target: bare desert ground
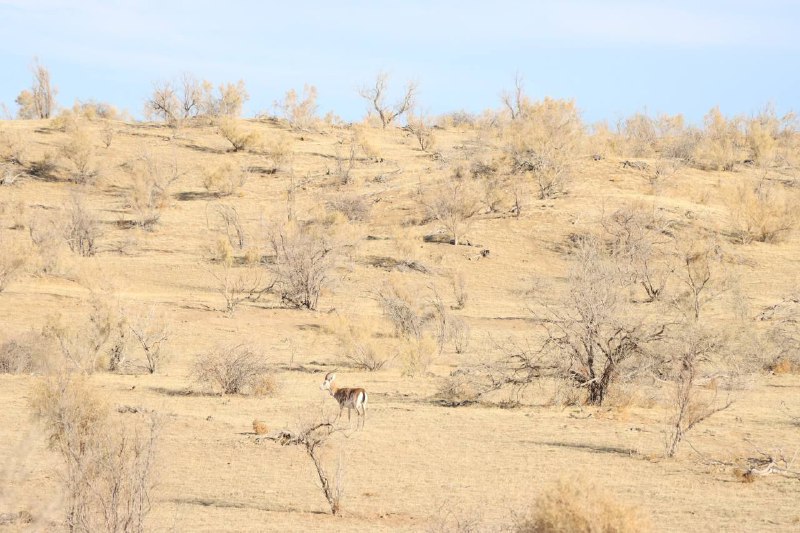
x: 424, y: 460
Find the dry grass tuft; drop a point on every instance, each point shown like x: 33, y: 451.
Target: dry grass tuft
x: 580, y: 509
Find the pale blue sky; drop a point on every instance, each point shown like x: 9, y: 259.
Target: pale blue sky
x: 613, y: 57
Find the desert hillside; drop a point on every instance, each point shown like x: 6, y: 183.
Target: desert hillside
x: 529, y: 303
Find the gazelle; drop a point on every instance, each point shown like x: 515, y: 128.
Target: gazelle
x: 355, y: 398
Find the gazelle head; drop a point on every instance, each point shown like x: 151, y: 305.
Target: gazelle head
x: 326, y: 384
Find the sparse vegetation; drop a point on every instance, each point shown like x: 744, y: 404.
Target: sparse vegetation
x: 611, y: 291
x: 235, y: 369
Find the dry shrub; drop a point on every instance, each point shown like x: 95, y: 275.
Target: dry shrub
x: 90, y: 341
x: 79, y: 150
x: 459, y: 333
x: 782, y: 350
x: 543, y: 144
x: 344, y: 154
x: 235, y: 370
x: 81, y: 229
x: 226, y: 179
x: 354, y: 207
x: 358, y: 345
x: 722, y: 142
x: 237, y: 284
x: 459, y: 283
x: 13, y: 259
x: 109, y: 464
x: 27, y: 354
x: 639, y: 135
x: 151, y: 178
x: 402, y: 309
x: 299, y: 112
x: 376, y: 96
x: 453, y: 202
x: 231, y: 130
x: 302, y: 263
x: 94, y: 110
x: 151, y: 330
x: 13, y: 147
x: 602, y: 141
x: 577, y: 508
x: 765, y: 213
x: 45, y: 167
x: 280, y: 150
x: 421, y: 127
x: 8, y: 175
x: 45, y: 231
x: 363, y: 142
x: 415, y: 355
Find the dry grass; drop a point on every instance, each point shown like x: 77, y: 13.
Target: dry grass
x: 581, y: 509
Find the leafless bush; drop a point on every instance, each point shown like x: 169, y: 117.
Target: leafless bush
x: 163, y: 103
x: 302, y: 263
x: 352, y: 206
x: 151, y: 178
x: 453, y: 203
x: 81, y: 229
x: 358, y: 346
x: 107, y: 133
x: 421, y: 128
x: 580, y: 508
x: 47, y: 238
x: 694, y: 350
x: 229, y: 223
x: 230, y: 129
x: 640, y: 135
x: 415, y: 355
x: 376, y: 96
x: 150, y: 329
x: 597, y: 336
x: 280, y: 150
x: 45, y: 167
x: 700, y: 271
x: 762, y: 214
x: 545, y: 143
x: 235, y: 370
x: 79, y: 151
x: 402, y: 310
x: 13, y: 148
x: 12, y: 260
x: 459, y: 333
x: 14, y: 358
x: 239, y: 284
x: 517, y: 102
x: 722, y: 142
x: 299, y: 112
x: 313, y: 437
x: 640, y: 241
x: 783, y: 335
x: 345, y: 160
x: 40, y: 101
x: 109, y: 468
x: 226, y: 179
x: 459, y: 284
